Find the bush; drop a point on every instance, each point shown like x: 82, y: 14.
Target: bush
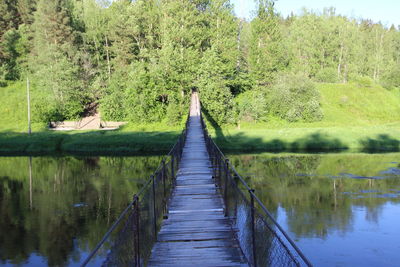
x: 391, y: 80
x: 294, y: 98
x: 3, y: 82
x: 251, y: 105
x: 363, y: 81
x: 216, y: 99
x: 175, y: 110
x: 112, y: 107
x: 327, y: 75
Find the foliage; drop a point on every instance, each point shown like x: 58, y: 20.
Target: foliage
x: 294, y: 97
x: 140, y: 60
x: 326, y: 75
x: 251, y: 106
x: 392, y: 79
x: 266, y: 53
x: 215, y: 95
x: 54, y: 61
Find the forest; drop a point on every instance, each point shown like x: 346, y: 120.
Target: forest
x: 139, y: 60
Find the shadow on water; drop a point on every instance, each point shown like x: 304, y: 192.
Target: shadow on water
x: 381, y: 143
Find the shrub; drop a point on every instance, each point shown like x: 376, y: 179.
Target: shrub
x: 175, y: 110
x: 294, y: 97
x: 217, y: 101
x: 327, y: 75
x: 391, y: 79
x: 363, y: 81
x: 251, y: 105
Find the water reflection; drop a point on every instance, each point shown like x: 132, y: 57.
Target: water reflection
x: 327, y: 201
x: 53, y: 211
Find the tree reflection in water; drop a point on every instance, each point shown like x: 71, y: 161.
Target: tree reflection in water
x: 55, y: 209
x: 323, y: 198
x: 318, y: 191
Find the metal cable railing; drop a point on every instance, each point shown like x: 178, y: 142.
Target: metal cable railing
x: 261, y: 238
x: 130, y: 239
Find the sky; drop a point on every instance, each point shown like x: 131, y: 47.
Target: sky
x: 385, y: 11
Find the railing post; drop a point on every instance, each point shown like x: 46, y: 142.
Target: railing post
x: 137, y: 245
x: 226, y: 185
x: 219, y: 166
x: 154, y: 207
x: 253, y: 230
x: 172, y: 167
x: 164, y: 189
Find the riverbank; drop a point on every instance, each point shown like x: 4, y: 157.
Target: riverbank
x: 379, y: 138
x: 356, y: 118
x: 382, y: 138
x: 88, y: 143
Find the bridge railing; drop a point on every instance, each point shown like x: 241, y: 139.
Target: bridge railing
x: 261, y: 238
x: 130, y: 239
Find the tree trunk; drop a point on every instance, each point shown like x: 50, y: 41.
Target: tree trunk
x: 340, y: 60
x: 108, y: 60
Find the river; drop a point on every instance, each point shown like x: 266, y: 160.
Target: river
x: 340, y: 209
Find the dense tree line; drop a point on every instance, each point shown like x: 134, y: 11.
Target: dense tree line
x: 139, y: 60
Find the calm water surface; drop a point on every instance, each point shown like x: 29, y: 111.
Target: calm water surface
x: 53, y: 211
x: 341, y: 209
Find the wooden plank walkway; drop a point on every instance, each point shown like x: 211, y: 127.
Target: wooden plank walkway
x: 196, y: 231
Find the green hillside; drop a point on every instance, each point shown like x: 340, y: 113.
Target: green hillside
x: 352, y: 104
x: 13, y: 108
x: 355, y: 117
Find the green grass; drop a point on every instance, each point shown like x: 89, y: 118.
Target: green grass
x: 14, y: 110
x: 355, y: 118
x: 88, y: 143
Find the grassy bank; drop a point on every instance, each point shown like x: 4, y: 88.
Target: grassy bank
x: 87, y: 143
x: 130, y: 139
x: 314, y: 139
x: 356, y: 118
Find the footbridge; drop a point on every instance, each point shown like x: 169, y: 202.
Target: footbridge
x: 196, y: 209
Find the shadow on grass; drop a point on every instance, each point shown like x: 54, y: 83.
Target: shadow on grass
x: 87, y: 143
x: 220, y: 137
x: 159, y: 143
x: 315, y: 142
x: 382, y: 142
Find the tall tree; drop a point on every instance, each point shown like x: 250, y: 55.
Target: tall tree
x: 266, y: 55
x: 55, y: 66
x: 218, y: 67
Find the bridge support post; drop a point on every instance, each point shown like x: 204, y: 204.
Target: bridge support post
x: 218, y: 163
x: 253, y: 230
x: 137, y: 222
x: 172, y: 167
x: 226, y: 167
x: 154, y: 207
x: 164, y: 189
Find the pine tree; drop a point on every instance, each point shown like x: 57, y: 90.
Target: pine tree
x: 9, y: 22
x: 266, y: 55
x: 219, y: 67
x: 53, y: 62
